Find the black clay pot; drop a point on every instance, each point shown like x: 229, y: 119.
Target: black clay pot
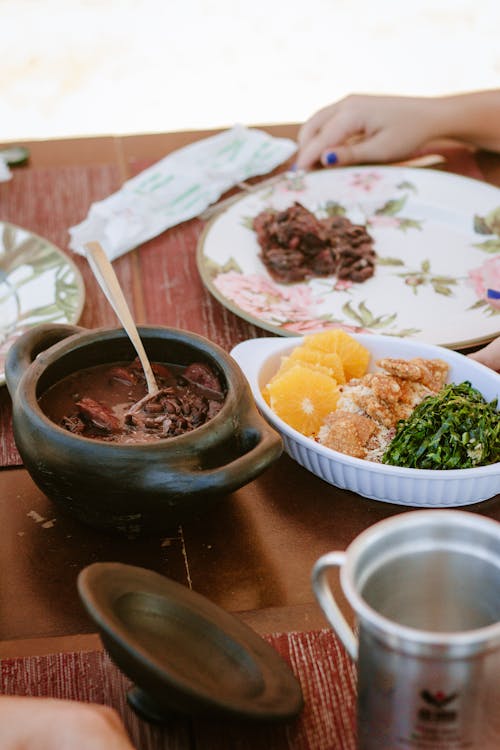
x: 133, y: 488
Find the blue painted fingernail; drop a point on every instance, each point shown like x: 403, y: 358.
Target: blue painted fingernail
x: 331, y: 158
x: 493, y: 294
x: 293, y: 168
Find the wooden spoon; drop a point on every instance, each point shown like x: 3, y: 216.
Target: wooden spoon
x: 105, y: 275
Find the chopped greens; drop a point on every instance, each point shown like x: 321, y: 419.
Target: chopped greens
x: 456, y: 429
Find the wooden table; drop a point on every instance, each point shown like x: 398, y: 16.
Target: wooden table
x: 252, y: 554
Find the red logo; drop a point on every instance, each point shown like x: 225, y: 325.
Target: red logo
x: 437, y: 699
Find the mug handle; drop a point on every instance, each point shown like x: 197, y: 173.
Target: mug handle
x: 327, y: 602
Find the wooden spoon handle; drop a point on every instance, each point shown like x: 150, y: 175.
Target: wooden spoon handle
x: 105, y: 275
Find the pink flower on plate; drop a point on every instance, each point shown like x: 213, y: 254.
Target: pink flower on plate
x: 486, y: 281
x: 294, y: 183
x: 304, y: 326
x: 311, y: 326
x: 383, y: 221
x: 342, y: 285
x: 365, y: 181
x: 264, y: 299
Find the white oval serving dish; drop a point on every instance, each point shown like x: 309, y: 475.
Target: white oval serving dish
x: 427, y: 488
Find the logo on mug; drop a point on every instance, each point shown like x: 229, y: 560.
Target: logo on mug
x: 438, y: 701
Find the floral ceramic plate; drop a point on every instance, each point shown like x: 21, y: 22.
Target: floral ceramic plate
x: 437, y: 238
x: 38, y: 284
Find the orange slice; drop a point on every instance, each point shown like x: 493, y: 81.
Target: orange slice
x: 302, y: 397
x: 331, y: 360
x: 265, y: 394
x: 355, y: 357
x: 289, y: 362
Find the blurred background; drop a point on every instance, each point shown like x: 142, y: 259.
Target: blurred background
x: 88, y: 67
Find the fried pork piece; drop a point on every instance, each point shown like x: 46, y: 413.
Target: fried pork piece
x: 348, y: 433
x: 430, y: 372
x: 382, y: 399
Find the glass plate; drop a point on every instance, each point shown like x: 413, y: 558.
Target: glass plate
x: 38, y: 284
x: 437, y: 238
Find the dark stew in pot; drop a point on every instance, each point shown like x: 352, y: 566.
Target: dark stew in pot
x: 110, y: 402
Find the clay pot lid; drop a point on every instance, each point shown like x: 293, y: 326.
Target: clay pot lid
x: 184, y: 653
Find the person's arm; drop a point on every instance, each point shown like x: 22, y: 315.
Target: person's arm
x: 489, y: 355
x: 473, y: 118
x: 52, y: 724
x: 366, y: 129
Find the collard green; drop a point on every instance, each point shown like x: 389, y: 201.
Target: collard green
x: 456, y: 429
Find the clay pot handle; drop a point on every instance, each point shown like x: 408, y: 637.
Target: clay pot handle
x: 26, y: 348
x: 233, y: 475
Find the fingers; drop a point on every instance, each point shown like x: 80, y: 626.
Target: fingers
x: 489, y: 355
x: 361, y: 150
x: 113, y: 722
x: 315, y: 123
x: 333, y: 132
x: 366, y: 129
x: 28, y: 723
x: 91, y: 727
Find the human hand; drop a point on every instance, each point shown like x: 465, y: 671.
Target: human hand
x: 489, y: 355
x: 52, y: 724
x: 365, y: 129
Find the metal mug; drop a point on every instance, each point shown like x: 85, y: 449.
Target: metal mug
x: 425, y: 589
